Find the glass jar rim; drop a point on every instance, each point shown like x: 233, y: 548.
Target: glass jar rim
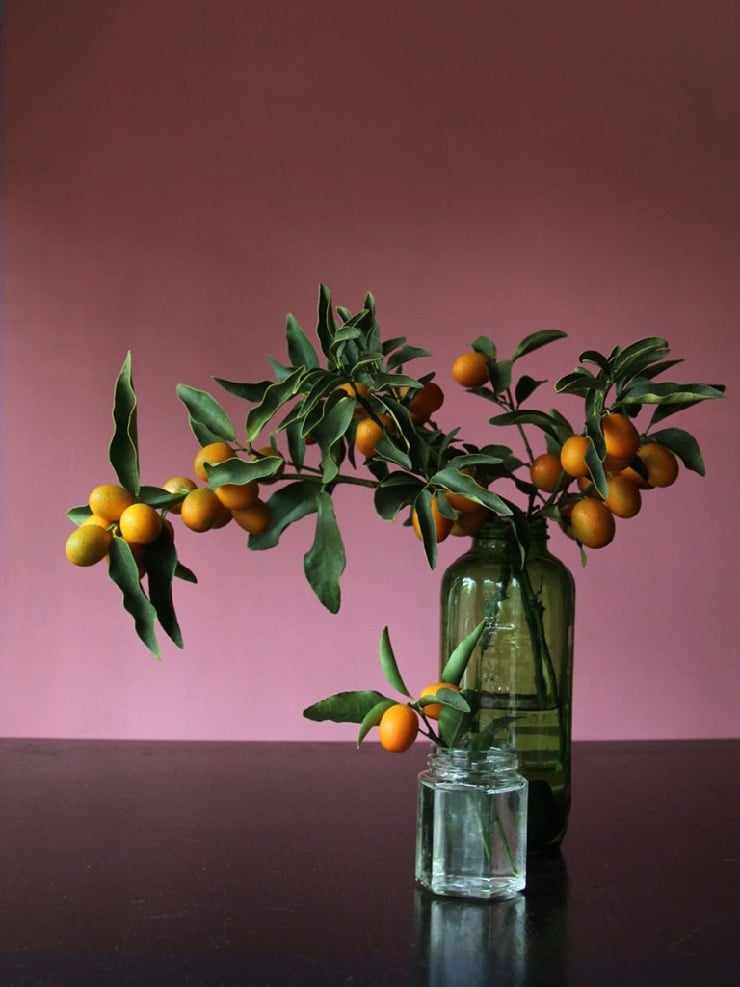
x: 460, y: 759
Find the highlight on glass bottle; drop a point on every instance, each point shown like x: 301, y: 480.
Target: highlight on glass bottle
x: 522, y: 666
x: 471, y: 836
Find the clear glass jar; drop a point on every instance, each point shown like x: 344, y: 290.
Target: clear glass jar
x: 523, y: 665
x: 471, y: 824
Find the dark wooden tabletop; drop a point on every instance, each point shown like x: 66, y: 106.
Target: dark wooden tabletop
x: 281, y: 864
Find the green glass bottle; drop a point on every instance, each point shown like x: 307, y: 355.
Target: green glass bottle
x: 523, y: 665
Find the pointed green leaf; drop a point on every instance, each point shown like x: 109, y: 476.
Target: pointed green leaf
x: 643, y: 391
x: 454, y: 667
x: 344, y: 707
x: 296, y: 445
x: 390, y: 666
x: 123, y: 450
x: 486, y: 738
x: 78, y: 514
x: 373, y: 717
x: 325, y: 326
x: 334, y: 424
x: 273, y: 399
x: 187, y: 575
x: 638, y: 355
x: 683, y: 445
x: 654, y: 369
x: 596, y: 469
x: 598, y: 359
x: 451, y: 479
x: 485, y: 346
x: 453, y: 725
x: 579, y: 381
x: 241, y: 471
x: 324, y: 562
x: 547, y: 422
x: 124, y: 572
x: 300, y: 349
x: 446, y: 697
x: 500, y: 375
x: 160, y: 562
x: 155, y: 496
x: 394, y: 492
x: 536, y: 340
x: 405, y: 354
x: 525, y: 387
x: 289, y: 503
x: 204, y: 410
x: 423, y: 508
x: 253, y: 393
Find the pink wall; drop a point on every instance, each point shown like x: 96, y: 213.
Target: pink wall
x: 180, y: 174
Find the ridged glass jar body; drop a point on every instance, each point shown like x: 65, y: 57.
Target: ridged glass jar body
x: 471, y: 824
x: 523, y: 665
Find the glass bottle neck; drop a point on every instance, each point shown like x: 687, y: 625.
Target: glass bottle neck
x: 499, y: 532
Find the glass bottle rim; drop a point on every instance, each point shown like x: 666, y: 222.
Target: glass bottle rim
x: 503, y: 528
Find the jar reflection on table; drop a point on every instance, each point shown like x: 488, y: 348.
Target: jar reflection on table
x: 515, y: 942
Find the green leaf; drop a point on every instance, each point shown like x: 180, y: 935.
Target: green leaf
x: 651, y: 371
x: 390, y: 666
x: 647, y: 392
x: 451, y: 479
x: 536, y: 340
x: 123, y: 450
x: 253, y: 393
x: 397, y: 490
x: 500, y: 375
x: 240, y: 471
x: 453, y: 724
x: 205, y: 411
x: 483, y: 740
x: 683, y: 445
x: 289, y: 503
x: 485, y: 346
x: 373, y: 717
x: 598, y: 359
x: 405, y: 354
x: 324, y: 562
x: 300, y: 349
x: 296, y: 445
x: 446, y: 697
x: 423, y: 507
x: 638, y: 355
x: 124, y: 572
x: 325, y: 326
x: 332, y: 427
x: 78, y: 514
x: 155, y: 496
x: 187, y: 575
x: 549, y: 423
x: 579, y: 381
x: 596, y: 468
x: 273, y: 399
x: 160, y: 562
x: 525, y: 387
x: 454, y: 667
x: 344, y: 707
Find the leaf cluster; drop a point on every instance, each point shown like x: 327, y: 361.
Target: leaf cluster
x: 457, y: 709
x: 319, y: 394
x: 158, y: 561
